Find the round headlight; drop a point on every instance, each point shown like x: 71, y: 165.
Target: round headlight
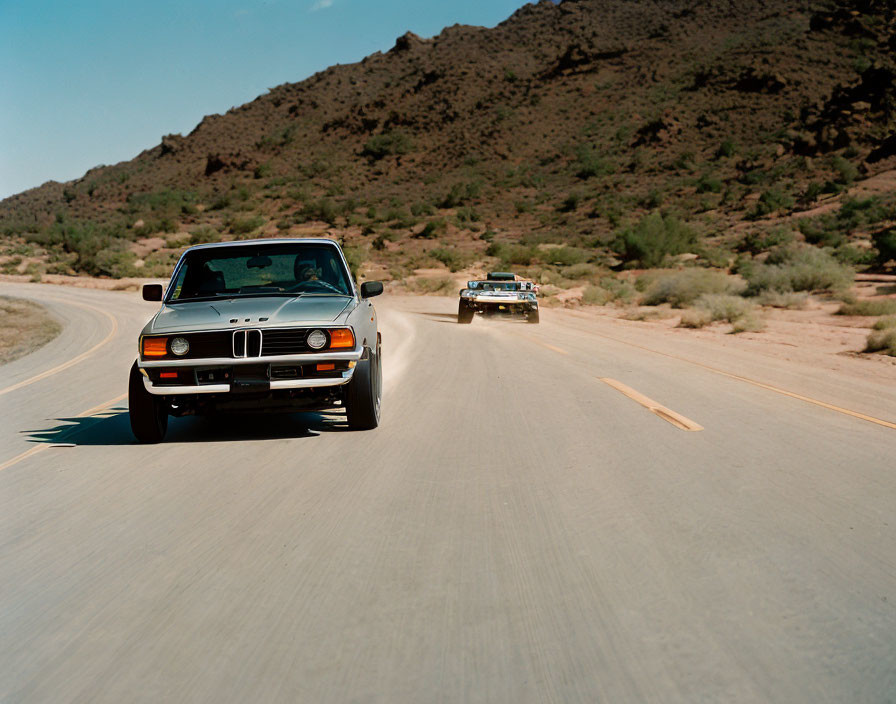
x: 180, y: 346
x: 316, y: 339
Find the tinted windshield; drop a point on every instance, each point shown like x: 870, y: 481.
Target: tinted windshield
x: 262, y: 270
x: 495, y: 285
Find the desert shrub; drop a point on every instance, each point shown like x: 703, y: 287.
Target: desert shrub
x: 609, y: 291
x: 243, y: 226
x: 855, y: 256
x: 438, y: 285
x: 466, y: 214
x: 460, y: 193
x: 846, y: 171
x: 788, y: 299
x: 885, y: 306
x: 695, y: 318
x: 355, y: 257
x: 724, y: 306
x: 512, y: 254
x: 387, y: 143
x: 882, y: 341
x: 726, y: 148
x: 581, y: 270
x: 747, y: 323
x: 564, y: 256
x: 98, y: 250
x: 712, y: 307
x: 707, y: 183
x: 324, y: 210
x: 798, y: 269
x: 433, y: 229
x: 885, y: 243
x: 591, y: 163
x: 771, y: 200
x: 164, y: 202
x: 421, y: 208
x: 262, y: 170
x: 683, y: 287
x: 654, y: 238
x: 204, y: 233
x: 452, y: 258
x: 886, y: 323
x: 596, y: 296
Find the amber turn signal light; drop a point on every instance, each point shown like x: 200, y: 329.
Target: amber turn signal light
x: 155, y: 346
x: 326, y: 367
x: 341, y: 337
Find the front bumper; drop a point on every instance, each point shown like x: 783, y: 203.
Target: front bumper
x: 261, y: 373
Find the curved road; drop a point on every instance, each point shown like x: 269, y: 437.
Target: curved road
x: 521, y: 527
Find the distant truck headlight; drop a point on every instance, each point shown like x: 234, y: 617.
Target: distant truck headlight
x: 180, y: 346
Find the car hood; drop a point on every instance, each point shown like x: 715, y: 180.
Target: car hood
x: 232, y: 312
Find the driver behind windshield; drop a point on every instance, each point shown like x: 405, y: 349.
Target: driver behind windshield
x: 274, y: 269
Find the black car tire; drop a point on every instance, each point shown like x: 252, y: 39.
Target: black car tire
x: 149, y: 414
x: 532, y: 317
x: 364, y: 393
x: 464, y: 313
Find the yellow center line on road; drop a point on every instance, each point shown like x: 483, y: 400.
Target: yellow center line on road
x: 73, y: 360
x: 754, y: 382
x: 676, y: 419
x: 40, y: 448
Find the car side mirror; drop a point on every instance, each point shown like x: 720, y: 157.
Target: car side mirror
x: 152, y: 292
x: 369, y: 289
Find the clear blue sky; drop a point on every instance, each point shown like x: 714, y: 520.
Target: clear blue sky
x: 96, y: 82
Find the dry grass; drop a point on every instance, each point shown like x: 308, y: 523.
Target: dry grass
x: 24, y: 327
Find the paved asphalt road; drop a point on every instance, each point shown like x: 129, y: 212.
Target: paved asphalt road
x: 517, y: 529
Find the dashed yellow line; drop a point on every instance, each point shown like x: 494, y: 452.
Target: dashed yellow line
x: 73, y: 360
x: 670, y: 416
x: 40, y: 448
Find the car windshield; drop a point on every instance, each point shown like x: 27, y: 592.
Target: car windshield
x: 261, y: 270
x: 495, y: 285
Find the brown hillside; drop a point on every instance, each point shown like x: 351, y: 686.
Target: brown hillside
x: 564, y: 124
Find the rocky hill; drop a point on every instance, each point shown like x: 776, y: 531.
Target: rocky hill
x: 603, y: 132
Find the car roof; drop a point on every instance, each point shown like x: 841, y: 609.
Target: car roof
x: 267, y: 240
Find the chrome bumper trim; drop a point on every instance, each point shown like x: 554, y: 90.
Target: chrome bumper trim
x: 225, y: 388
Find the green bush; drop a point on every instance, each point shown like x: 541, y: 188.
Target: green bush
x: 885, y: 243
x: 452, y: 258
x: 563, y: 256
x: 512, y: 254
x: 591, y: 163
x: 433, y: 285
x: 707, y: 183
x: 653, y: 239
x: 581, y: 270
x: 882, y: 341
x: 776, y: 299
x: 770, y: 201
x: 683, y: 287
x: 460, y: 193
x: 355, y: 257
x: 798, y: 269
x: 324, y: 210
x: 433, y: 229
x: 761, y: 240
x: 387, y: 143
x: 885, y: 323
x: 243, y: 226
x: 885, y: 306
x: 204, y: 234
x: 712, y: 307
